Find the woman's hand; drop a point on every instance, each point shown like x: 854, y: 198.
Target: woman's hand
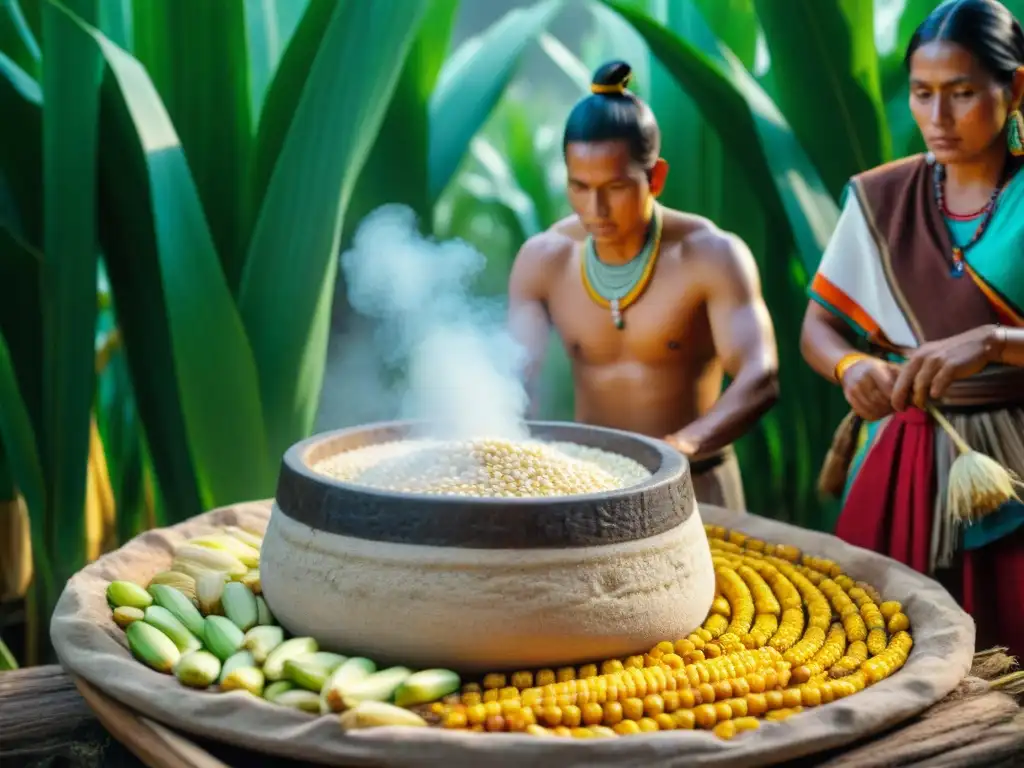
x: 868, y: 385
x: 932, y: 367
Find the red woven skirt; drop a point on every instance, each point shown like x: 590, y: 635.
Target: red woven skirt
x: 889, y: 510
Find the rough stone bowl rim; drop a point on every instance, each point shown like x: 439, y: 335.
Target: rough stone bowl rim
x: 673, y: 465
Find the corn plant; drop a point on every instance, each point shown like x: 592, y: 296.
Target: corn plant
x: 210, y: 187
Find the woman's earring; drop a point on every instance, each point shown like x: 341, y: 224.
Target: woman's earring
x: 1015, y: 133
x: 930, y: 158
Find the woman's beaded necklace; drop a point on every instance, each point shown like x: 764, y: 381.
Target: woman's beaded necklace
x: 617, y: 286
x: 986, y: 213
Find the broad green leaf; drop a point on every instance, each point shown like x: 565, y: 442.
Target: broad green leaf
x: 612, y: 37
x: 502, y: 185
x: 471, y: 85
x: 894, y: 74
x: 282, y: 99
x: 116, y: 22
x: 288, y: 283
x: 32, y: 12
x: 16, y: 38
x: 906, y: 136
x: 529, y: 168
x: 703, y: 178
x: 566, y: 61
x: 7, y: 660
x: 827, y: 83
x: 71, y: 80
x: 22, y: 455
x: 21, y: 151
x: 264, y: 46
x: 155, y: 217
x: 20, y: 319
x: 269, y: 27
x: 118, y: 422
x: 475, y: 212
x: 735, y: 23
x: 396, y: 169
x: 7, y: 489
x: 205, y: 87
x: 752, y: 129
x: 126, y: 230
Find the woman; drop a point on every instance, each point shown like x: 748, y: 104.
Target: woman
x: 919, y: 298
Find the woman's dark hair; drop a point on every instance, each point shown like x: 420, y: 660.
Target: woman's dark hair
x: 986, y: 28
x: 611, y: 113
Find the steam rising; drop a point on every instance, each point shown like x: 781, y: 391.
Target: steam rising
x: 462, y: 367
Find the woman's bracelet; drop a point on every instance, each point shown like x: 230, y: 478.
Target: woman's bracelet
x: 847, y: 362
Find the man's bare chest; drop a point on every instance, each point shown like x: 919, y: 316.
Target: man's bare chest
x: 666, y: 324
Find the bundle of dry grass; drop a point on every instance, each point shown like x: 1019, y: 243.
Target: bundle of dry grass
x: 978, y: 484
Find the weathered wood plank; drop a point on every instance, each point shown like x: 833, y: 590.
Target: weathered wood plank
x: 40, y: 710
x: 45, y: 723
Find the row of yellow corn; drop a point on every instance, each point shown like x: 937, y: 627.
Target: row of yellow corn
x: 786, y: 631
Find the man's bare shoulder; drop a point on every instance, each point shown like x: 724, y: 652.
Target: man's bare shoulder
x: 548, y: 248
x: 720, y: 256
x: 539, y: 259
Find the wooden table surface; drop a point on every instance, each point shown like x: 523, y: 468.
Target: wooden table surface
x: 46, y: 723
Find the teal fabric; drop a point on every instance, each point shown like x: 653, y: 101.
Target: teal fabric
x: 1005, y: 520
x: 998, y: 257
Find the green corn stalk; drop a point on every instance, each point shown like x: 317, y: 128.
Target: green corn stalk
x: 211, y: 192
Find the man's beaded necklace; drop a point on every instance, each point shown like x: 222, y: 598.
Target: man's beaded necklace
x: 617, y: 286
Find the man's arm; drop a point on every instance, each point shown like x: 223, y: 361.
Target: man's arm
x: 744, y: 341
x: 528, y: 320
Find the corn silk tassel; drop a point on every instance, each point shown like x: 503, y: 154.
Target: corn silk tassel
x: 978, y: 484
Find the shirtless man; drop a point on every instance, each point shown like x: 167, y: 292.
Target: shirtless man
x: 652, y: 305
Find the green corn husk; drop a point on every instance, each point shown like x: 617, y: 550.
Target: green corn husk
x: 125, y: 615
x: 210, y: 559
x: 127, y: 594
x: 184, y: 610
x: 152, y: 647
x: 223, y: 638
x: 249, y: 556
x: 254, y: 541
x: 311, y: 671
x: 376, y: 714
x: 239, y: 605
x: 351, y: 672
x: 273, y: 667
x: 380, y: 686
x: 264, y: 616
x: 426, y: 686
x: 252, y: 581
x: 297, y: 698
x: 262, y: 640
x: 272, y: 691
x: 167, y: 623
x: 209, y: 591
x: 195, y: 572
x: 198, y: 669
x: 249, y: 679
x: 180, y: 581
x: 236, y: 661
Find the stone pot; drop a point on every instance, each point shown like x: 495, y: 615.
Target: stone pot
x: 479, y: 584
